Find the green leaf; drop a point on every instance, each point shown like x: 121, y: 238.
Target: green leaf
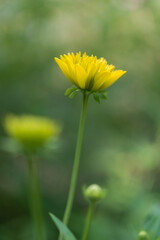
x: 96, y: 98
x: 69, y: 90
x: 66, y: 233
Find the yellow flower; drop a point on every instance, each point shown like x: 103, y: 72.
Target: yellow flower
x: 88, y: 72
x: 30, y: 130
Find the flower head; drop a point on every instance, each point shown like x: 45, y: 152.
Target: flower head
x: 30, y: 130
x: 94, y: 193
x: 88, y: 72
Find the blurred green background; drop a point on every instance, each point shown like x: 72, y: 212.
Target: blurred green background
x: 122, y: 135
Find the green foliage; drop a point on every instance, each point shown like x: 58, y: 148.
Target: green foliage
x: 66, y: 233
x: 10, y: 145
x: 152, y: 223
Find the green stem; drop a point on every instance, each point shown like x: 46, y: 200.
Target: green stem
x: 76, y: 163
x: 35, y: 199
x: 88, y: 220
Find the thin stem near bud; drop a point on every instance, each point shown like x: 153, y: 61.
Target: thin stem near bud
x: 88, y: 220
x: 76, y: 163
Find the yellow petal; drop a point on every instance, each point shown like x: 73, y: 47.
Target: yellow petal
x: 100, y: 79
x: 114, y: 77
x: 81, y: 76
x: 62, y: 58
x: 64, y: 68
x: 110, y: 68
x: 72, y: 71
x: 78, y: 57
x: 90, y: 73
x: 102, y: 65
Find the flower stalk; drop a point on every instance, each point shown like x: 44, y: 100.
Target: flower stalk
x: 73, y: 182
x: 76, y: 161
x: 88, y: 220
x: 35, y: 199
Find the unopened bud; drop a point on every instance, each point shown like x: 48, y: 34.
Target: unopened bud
x: 94, y: 193
x: 143, y: 235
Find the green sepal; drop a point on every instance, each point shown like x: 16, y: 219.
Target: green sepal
x: 74, y: 93
x: 63, y: 229
x: 100, y: 95
x: 103, y: 95
x: 96, y: 97
x: 69, y: 90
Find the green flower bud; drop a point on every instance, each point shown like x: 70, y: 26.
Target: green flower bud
x: 143, y: 235
x: 94, y: 193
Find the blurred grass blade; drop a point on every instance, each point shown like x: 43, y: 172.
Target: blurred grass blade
x: 152, y: 223
x: 66, y: 233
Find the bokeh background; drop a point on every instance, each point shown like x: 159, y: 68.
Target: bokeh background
x: 122, y: 135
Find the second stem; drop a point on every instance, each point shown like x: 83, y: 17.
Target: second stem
x: 35, y: 199
x: 88, y: 220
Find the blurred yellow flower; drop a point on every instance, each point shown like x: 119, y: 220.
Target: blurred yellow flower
x: 88, y: 72
x: 31, y: 131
